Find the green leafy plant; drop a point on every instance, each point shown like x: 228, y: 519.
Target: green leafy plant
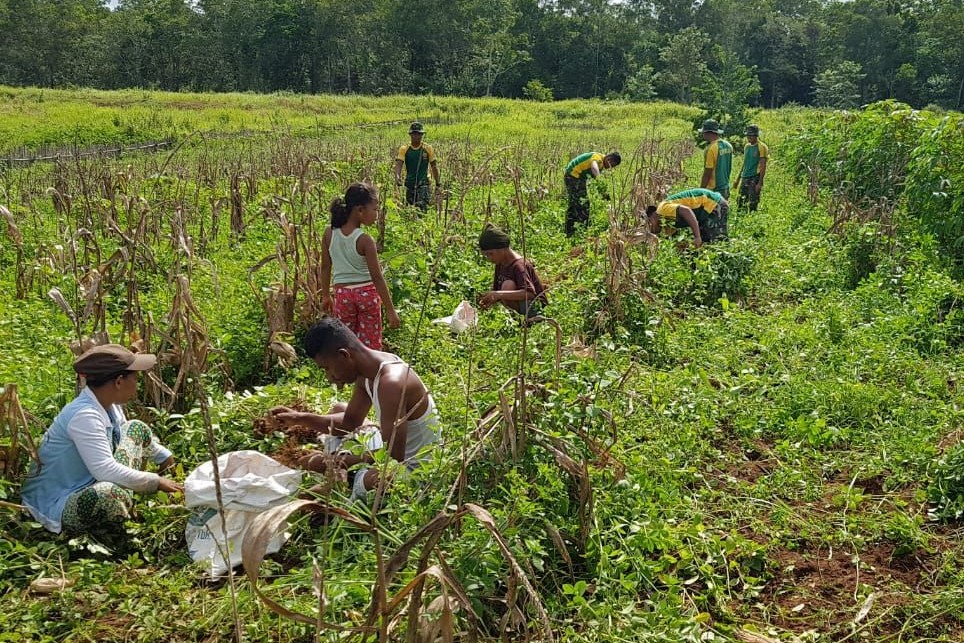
x: 537, y: 91
x: 946, y: 489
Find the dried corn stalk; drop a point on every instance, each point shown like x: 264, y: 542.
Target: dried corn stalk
x: 237, y: 206
x: 15, y: 438
x: 453, y: 598
x: 658, y: 166
x: 14, y: 233
x: 279, y: 308
x: 185, y: 344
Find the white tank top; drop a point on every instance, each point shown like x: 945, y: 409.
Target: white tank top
x: 422, y: 431
x: 347, y: 266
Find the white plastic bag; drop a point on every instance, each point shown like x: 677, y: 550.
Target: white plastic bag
x: 251, y: 482
x: 464, y: 317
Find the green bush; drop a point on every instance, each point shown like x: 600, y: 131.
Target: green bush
x: 720, y: 273
x: 537, y: 91
x: 860, y: 248
x: 934, y: 190
x: 891, y: 158
x: 946, y: 490
x: 862, y: 155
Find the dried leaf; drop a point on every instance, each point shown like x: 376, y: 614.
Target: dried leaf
x: 58, y: 298
x: 263, y: 528
x: 484, y: 517
x: 747, y: 636
x: 50, y: 585
x: 865, y: 608
x: 12, y: 228
x: 556, y: 536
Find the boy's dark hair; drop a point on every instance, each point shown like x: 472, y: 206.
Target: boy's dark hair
x: 96, y: 381
x: 328, y: 336
x: 650, y: 210
x: 614, y: 158
x: 357, y: 194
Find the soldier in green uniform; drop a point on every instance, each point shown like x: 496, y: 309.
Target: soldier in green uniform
x: 578, y: 171
x: 703, y: 211
x: 756, y: 154
x: 418, y: 158
x: 717, y: 159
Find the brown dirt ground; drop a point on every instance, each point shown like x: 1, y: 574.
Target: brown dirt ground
x: 816, y: 587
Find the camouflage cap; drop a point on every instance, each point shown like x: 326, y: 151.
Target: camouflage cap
x: 710, y: 125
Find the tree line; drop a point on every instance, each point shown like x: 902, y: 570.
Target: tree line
x: 777, y: 51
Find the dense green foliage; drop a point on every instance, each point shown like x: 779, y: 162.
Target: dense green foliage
x: 799, y: 51
x: 745, y: 438
x: 891, y: 165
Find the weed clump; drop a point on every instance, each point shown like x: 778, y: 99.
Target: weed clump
x: 946, y: 490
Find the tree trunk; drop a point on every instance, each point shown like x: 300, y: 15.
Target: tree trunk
x: 960, y: 92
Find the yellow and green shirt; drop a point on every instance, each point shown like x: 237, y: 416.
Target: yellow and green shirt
x: 581, y: 166
x: 719, y: 158
x: 694, y: 199
x: 751, y: 159
x: 417, y: 160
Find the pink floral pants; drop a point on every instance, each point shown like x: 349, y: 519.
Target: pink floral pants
x: 360, y: 308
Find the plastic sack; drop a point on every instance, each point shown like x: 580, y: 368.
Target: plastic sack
x: 251, y: 483
x: 464, y: 317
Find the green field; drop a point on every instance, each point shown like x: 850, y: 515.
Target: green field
x: 741, y: 441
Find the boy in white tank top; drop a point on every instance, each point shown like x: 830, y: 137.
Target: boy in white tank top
x: 407, y: 418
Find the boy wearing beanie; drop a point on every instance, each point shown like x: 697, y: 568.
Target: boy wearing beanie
x: 516, y: 285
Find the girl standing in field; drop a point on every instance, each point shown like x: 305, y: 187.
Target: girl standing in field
x: 350, y: 262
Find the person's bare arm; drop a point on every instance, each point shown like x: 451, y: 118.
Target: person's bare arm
x: 435, y: 173
x: 366, y: 247
x: 687, y: 215
x: 594, y: 169
x: 326, y: 303
x: 393, y: 427
x: 333, y: 423
x: 491, y: 297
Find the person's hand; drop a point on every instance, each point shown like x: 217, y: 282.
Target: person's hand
x: 167, y: 464
x: 398, y: 181
x: 488, y: 299
x: 169, y: 486
x: 312, y: 461
x: 757, y: 187
x: 327, y: 304
x: 393, y: 320
x: 287, y: 417
x: 736, y: 184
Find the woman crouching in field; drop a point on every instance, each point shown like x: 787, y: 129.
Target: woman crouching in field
x: 91, y: 457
